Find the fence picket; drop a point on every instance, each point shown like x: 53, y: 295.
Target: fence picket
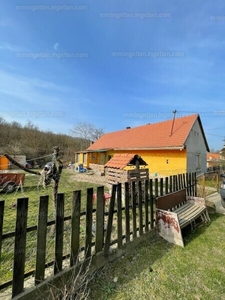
x: 184, y: 180
x: 166, y: 185
x: 146, y: 206
x: 59, y: 227
x: 151, y: 196
x: 156, y: 187
x: 127, y: 211
x: 89, y: 208
x: 171, y: 183
x: 2, y: 206
x: 110, y: 221
x: 134, y: 213
x: 161, y: 187
x: 119, y: 216
x: 99, y: 219
x: 140, y: 197
x: 75, y: 228
x: 41, y: 239
x: 20, y: 246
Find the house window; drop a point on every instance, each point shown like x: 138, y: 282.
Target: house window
x: 77, y: 157
x: 197, y: 162
x: 109, y: 157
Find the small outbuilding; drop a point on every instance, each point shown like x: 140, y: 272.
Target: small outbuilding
x: 125, y: 167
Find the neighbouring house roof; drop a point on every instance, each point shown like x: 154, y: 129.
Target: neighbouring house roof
x: 121, y: 160
x: 213, y: 156
x: 170, y: 134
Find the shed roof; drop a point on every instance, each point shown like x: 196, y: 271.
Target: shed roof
x: 121, y: 160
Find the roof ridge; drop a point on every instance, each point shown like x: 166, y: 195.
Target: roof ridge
x: 156, y: 123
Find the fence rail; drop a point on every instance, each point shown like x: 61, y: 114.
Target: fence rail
x: 106, y: 227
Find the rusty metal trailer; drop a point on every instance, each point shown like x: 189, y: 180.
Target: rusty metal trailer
x: 10, y: 181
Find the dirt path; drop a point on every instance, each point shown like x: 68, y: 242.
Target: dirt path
x: 94, y: 178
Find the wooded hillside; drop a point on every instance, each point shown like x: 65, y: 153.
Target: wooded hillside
x: 28, y: 140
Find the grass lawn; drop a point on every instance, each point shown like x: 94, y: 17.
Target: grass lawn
x: 159, y: 270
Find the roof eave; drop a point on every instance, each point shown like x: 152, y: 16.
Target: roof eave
x: 154, y: 148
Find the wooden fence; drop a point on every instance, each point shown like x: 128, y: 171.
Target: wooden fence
x: 115, y: 227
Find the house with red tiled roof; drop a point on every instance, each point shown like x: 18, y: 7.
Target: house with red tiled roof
x: 215, y: 160
x: 169, y: 147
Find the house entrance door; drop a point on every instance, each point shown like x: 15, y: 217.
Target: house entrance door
x: 102, y: 158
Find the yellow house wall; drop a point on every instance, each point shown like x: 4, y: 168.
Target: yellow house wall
x: 92, y: 158
x: 161, y: 162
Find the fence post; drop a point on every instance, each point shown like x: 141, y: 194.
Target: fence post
x: 20, y: 246
x: 161, y: 186
x: 133, y: 196
x: 166, y: 185
x: 75, y: 228
x: 171, y: 184
x: 119, y: 216
x: 183, y: 181
x: 110, y: 221
x: 59, y: 226
x: 2, y: 205
x: 146, y: 201
x: 89, y: 208
x: 140, y: 208
x: 156, y: 187
x: 195, y: 184
x: 41, y: 239
x: 151, y: 203
x: 127, y: 211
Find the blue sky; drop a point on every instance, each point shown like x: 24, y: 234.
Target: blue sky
x: 112, y: 63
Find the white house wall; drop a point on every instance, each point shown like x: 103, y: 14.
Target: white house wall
x: 196, y: 150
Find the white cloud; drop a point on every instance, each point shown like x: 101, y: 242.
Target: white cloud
x: 33, y: 90
x: 9, y: 47
x: 5, y: 22
x: 56, y: 46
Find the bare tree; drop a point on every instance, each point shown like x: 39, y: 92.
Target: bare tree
x: 87, y: 132
x: 96, y: 134
x: 34, y: 143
